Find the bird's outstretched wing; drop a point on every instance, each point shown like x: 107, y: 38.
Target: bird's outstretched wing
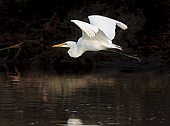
x: 107, y: 25
x: 86, y: 28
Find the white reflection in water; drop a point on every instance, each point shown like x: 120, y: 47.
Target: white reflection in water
x: 73, y: 121
x: 76, y: 122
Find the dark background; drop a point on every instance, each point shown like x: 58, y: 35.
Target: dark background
x: 28, y: 28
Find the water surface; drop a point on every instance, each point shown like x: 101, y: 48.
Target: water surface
x: 104, y: 96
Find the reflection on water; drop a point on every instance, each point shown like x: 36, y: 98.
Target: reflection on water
x: 106, y: 97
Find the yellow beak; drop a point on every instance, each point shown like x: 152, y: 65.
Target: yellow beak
x: 58, y: 45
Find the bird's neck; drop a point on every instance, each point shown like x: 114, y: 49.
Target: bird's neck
x: 75, y: 51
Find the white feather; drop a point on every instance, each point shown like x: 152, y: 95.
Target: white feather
x: 88, y: 29
x: 107, y: 25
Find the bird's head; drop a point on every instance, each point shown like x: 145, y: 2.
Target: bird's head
x: 73, y: 48
x: 68, y: 44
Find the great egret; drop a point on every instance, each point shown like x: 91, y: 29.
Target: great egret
x: 96, y: 36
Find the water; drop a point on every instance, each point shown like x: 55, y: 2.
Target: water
x: 104, y: 96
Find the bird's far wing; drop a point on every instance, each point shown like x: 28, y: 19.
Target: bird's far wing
x: 87, y: 29
x: 121, y: 25
x: 107, y: 25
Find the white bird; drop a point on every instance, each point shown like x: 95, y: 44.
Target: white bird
x: 96, y: 36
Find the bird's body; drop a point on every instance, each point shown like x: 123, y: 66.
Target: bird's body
x: 96, y: 36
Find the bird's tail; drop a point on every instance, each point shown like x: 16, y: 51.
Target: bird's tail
x: 117, y: 47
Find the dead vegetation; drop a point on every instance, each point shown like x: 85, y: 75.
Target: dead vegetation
x: 24, y: 38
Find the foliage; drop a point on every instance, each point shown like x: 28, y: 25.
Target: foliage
x: 28, y: 28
